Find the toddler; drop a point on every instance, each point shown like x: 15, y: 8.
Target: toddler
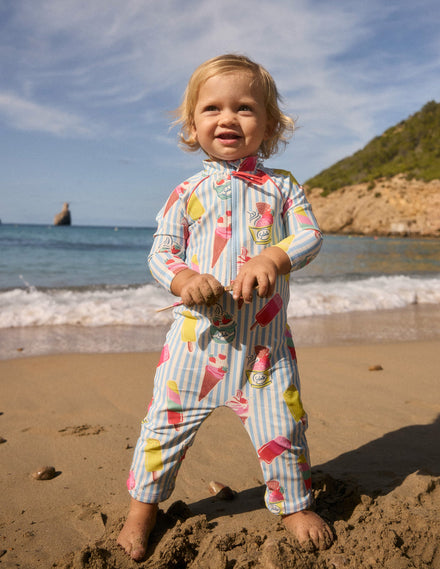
x: 236, y: 221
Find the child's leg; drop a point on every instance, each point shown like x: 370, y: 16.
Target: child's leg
x: 277, y: 424
x: 137, y: 528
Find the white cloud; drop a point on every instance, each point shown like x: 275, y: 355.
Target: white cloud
x: 27, y: 115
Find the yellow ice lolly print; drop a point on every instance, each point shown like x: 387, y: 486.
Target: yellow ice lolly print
x: 285, y: 243
x: 293, y: 401
x: 153, y: 455
x: 188, y: 332
x: 195, y: 208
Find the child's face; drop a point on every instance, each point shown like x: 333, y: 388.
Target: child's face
x: 230, y: 119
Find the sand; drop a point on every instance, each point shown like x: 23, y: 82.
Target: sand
x: 374, y: 439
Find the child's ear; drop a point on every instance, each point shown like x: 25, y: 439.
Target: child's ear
x: 193, y: 131
x: 270, y: 129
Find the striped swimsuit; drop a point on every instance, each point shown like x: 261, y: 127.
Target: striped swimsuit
x: 234, y: 354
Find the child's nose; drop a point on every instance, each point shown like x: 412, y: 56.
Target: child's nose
x: 227, y: 118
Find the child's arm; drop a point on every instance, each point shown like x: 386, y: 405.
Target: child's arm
x: 301, y: 244
x: 195, y: 288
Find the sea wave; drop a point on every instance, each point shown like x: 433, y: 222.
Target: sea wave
x: 137, y: 306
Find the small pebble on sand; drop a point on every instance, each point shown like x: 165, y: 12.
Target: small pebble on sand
x: 44, y: 473
x: 376, y: 367
x: 221, y: 491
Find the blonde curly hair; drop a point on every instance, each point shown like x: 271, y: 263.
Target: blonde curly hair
x: 282, y: 125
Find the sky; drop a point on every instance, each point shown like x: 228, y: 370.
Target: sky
x: 87, y: 86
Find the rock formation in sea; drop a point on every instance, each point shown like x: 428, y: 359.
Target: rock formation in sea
x: 63, y: 218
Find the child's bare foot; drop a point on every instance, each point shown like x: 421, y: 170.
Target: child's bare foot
x: 309, y: 529
x: 137, y: 528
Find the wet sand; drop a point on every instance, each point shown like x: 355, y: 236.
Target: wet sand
x: 374, y: 444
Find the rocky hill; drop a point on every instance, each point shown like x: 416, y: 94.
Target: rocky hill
x: 391, y: 187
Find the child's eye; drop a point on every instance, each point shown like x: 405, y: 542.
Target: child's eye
x: 210, y: 109
x: 245, y: 108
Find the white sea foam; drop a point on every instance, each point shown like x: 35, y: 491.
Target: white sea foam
x: 137, y: 306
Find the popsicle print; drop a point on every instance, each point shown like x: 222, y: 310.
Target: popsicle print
x: 223, y: 233
x: 174, y: 405
x: 153, y: 457
x: 303, y: 219
x: 270, y: 450
x: 293, y: 401
x: 195, y: 264
x: 188, y: 331
x: 305, y: 471
x: 290, y: 344
x: 268, y: 312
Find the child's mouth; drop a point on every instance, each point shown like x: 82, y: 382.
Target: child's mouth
x: 228, y: 136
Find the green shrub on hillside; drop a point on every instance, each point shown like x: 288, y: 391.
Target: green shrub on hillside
x: 411, y: 147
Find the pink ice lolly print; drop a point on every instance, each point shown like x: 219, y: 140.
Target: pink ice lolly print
x: 302, y: 218
x: 174, y: 405
x: 268, y: 312
x: 273, y: 448
x: 165, y: 355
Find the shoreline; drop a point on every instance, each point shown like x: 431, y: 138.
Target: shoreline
x: 418, y: 322
x: 373, y: 439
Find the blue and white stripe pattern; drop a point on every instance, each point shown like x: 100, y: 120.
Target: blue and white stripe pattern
x: 233, y: 354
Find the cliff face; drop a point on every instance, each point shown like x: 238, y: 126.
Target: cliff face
x: 394, y: 206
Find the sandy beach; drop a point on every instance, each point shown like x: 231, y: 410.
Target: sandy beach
x: 373, y: 437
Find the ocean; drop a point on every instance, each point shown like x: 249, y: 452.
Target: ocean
x: 88, y: 289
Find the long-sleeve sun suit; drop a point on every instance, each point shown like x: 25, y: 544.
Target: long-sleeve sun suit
x: 234, y: 354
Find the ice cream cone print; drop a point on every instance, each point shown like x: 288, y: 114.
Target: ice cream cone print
x: 214, y: 372
x: 305, y: 471
x: 268, y: 312
x: 239, y: 405
x: 188, y: 332
x: 173, y: 199
x: 222, y: 234
x: 153, y: 456
x: 174, y: 405
x: 195, y: 207
x: 293, y: 401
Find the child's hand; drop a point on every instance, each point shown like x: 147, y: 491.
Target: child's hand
x: 194, y: 288
x: 261, y: 272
